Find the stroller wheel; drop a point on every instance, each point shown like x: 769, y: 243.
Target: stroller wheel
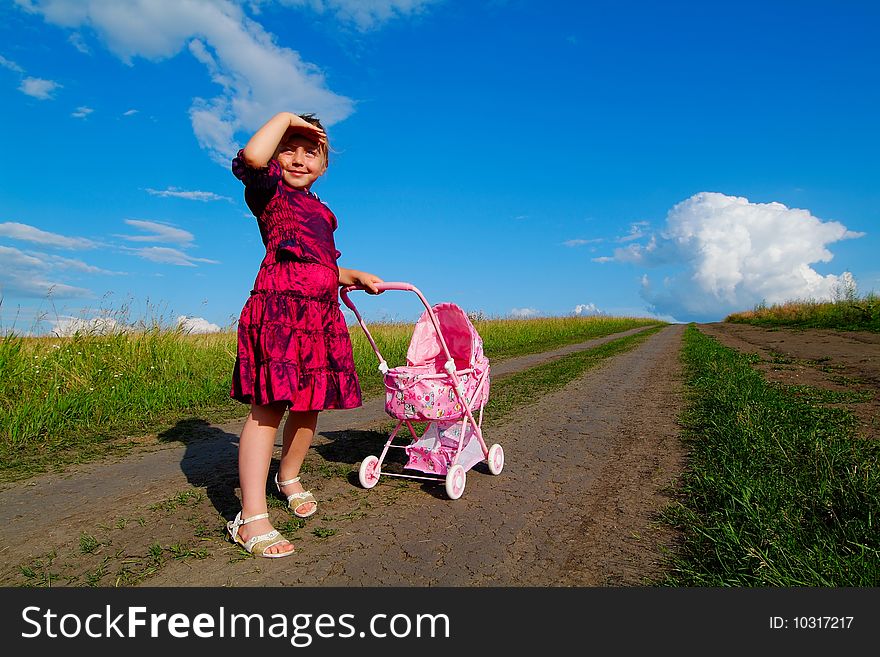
x: 369, y: 472
x: 455, y: 481
x: 496, y: 459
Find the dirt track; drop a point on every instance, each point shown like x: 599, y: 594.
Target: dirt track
x: 587, y: 469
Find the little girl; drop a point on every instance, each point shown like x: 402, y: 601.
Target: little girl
x: 294, y: 351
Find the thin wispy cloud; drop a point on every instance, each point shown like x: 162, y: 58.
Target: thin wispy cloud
x: 59, y: 262
x: 82, y: 112
x: 636, y: 231
x: 174, y: 192
x: 31, y: 276
x: 158, y: 232
x: 523, y: 312
x: 365, y: 15
x: 130, y: 112
x: 12, y: 66
x: 39, y: 88
x: 168, y: 256
x: 581, y: 242
x: 27, y: 233
x: 77, y: 41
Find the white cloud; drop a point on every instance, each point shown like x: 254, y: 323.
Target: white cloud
x: 82, y: 112
x: 28, y: 275
x: 580, y: 242
x: 586, y: 309
x: 66, y: 326
x: 240, y: 56
x: 28, y: 233
x: 38, y: 88
x: 190, y: 195
x: 636, y: 231
x: 158, y: 232
x: 77, y: 41
x: 130, y: 112
x: 31, y: 86
x: 57, y: 262
x: 523, y: 312
x: 196, y: 325
x: 169, y: 256
x: 12, y: 66
x: 364, y: 14
x: 727, y: 254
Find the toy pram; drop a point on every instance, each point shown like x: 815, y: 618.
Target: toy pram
x: 444, y: 383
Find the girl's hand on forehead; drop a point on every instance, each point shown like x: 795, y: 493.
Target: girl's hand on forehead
x: 311, y: 133
x: 299, y: 126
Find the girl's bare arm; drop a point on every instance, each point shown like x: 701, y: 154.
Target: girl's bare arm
x: 355, y: 277
x: 261, y: 147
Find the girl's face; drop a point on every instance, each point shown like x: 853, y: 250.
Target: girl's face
x: 302, y: 161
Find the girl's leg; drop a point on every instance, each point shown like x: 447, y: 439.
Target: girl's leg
x: 255, y: 449
x: 299, y: 430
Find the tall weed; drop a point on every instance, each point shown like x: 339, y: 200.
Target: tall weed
x: 846, y: 314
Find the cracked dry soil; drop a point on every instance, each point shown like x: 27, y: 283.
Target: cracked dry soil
x: 587, y: 470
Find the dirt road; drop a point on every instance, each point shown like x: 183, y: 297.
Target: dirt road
x: 573, y: 506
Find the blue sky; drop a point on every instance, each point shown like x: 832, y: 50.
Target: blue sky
x: 678, y: 159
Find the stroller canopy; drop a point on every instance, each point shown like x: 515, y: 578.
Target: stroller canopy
x: 464, y: 343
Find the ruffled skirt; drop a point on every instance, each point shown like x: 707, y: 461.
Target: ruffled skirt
x: 293, y: 344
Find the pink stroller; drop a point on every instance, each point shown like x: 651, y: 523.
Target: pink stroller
x: 445, y: 380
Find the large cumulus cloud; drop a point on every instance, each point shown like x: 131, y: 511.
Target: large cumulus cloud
x: 724, y: 254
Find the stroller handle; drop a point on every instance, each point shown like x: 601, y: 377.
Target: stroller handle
x: 406, y: 287
x: 381, y: 287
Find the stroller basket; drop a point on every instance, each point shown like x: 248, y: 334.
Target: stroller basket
x: 417, y: 393
x: 423, y: 389
x: 444, y: 382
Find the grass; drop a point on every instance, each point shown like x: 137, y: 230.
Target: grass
x: 779, y: 492
x: 846, y: 314
x: 74, y: 399
x: 86, y: 392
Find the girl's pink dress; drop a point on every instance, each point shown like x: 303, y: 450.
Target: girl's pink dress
x: 293, y: 344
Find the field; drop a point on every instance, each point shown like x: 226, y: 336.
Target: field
x: 67, y: 400
x: 639, y: 454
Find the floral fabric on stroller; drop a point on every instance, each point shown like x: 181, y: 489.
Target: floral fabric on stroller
x: 444, y: 382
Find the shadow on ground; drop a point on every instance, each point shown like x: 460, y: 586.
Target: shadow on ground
x: 210, y: 461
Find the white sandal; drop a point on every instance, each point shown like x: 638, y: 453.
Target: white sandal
x: 257, y: 545
x: 305, y: 497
